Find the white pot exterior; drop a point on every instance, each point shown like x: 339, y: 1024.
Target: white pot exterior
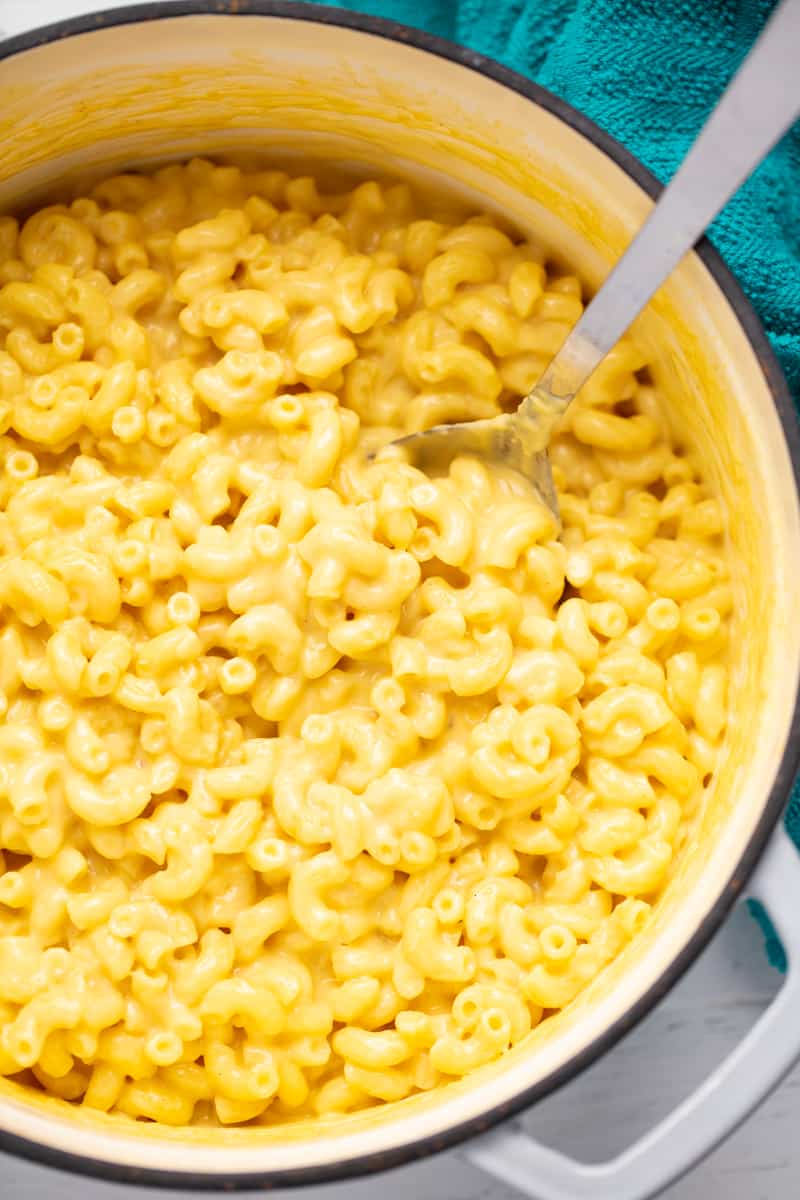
x: 155, y: 89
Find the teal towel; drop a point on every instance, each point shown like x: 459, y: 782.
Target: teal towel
x: 649, y: 72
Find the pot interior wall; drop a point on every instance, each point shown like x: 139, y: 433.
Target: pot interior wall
x: 174, y: 87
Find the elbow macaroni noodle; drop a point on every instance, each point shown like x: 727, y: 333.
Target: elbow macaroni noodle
x: 321, y: 782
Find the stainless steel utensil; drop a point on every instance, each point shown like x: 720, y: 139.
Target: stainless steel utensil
x: 758, y: 106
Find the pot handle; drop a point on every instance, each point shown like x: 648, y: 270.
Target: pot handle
x: 710, y: 1114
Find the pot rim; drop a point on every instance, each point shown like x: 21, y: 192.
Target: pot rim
x: 360, y: 1165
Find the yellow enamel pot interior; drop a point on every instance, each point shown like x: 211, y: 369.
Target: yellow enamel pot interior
x: 163, y: 88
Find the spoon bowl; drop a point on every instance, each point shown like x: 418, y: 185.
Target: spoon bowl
x: 512, y: 441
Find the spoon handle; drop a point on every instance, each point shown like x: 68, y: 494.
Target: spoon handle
x: 759, y: 105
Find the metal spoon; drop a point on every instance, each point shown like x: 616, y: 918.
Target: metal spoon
x: 758, y: 106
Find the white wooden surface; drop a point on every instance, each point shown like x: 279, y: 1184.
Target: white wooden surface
x: 609, y: 1105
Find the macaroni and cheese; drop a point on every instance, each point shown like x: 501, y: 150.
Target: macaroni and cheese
x: 322, y: 782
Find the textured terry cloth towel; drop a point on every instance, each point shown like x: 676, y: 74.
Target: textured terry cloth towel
x: 649, y: 72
